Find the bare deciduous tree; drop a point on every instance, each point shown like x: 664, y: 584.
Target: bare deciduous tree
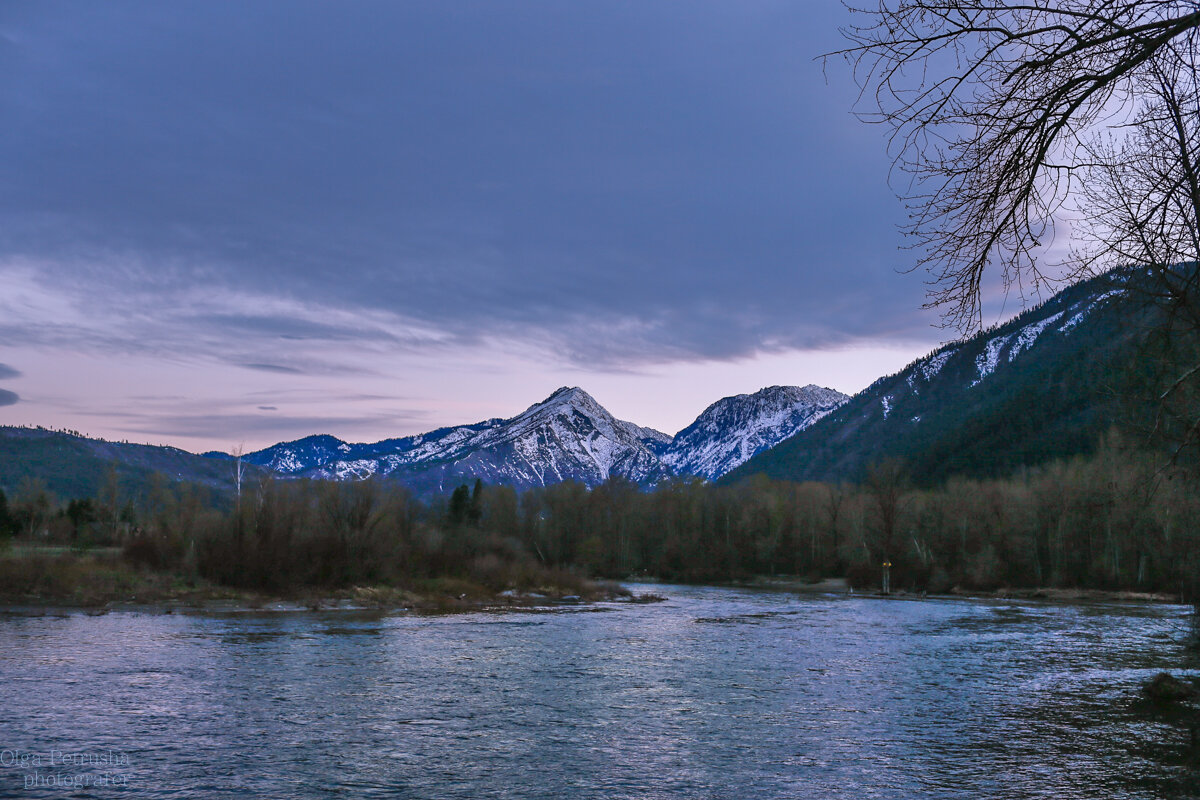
x: 239, y: 469
x: 1005, y: 115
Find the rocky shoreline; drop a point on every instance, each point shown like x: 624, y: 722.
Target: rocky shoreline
x: 414, y: 605
x: 358, y: 599
x: 1048, y: 594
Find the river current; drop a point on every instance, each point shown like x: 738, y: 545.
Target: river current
x: 716, y: 693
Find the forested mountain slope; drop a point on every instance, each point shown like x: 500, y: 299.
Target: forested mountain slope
x: 1044, y: 385
x: 76, y: 466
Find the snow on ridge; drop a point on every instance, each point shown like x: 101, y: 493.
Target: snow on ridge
x: 359, y: 469
x: 650, y: 433
x: 1075, y: 319
x: 1086, y: 308
x: 287, y: 461
x: 1030, y: 333
x: 987, y: 361
x: 934, y: 364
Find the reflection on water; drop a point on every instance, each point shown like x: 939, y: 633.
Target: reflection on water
x: 717, y: 693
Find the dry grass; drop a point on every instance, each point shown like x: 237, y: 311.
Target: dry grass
x: 87, y: 579
x: 83, y: 579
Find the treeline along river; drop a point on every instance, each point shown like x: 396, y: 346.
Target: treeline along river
x: 716, y: 693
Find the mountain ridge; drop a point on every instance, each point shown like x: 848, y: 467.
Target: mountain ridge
x: 1036, y: 387
x: 567, y: 436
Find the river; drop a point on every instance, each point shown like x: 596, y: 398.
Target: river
x: 716, y: 693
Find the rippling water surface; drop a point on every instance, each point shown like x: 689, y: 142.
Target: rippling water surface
x: 717, y: 693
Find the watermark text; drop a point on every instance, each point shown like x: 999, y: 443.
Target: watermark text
x: 67, y: 769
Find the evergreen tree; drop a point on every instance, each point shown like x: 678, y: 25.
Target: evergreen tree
x: 460, y: 505
x: 475, y: 511
x: 8, y: 525
x: 82, y: 513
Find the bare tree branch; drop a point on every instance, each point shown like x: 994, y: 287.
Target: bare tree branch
x: 994, y: 109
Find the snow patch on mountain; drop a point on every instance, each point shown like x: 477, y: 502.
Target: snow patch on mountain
x: 933, y: 366
x: 987, y: 361
x: 293, y: 458
x: 1030, y: 333
x: 1075, y: 319
x: 359, y: 469
x: 1009, y: 346
x: 1086, y: 308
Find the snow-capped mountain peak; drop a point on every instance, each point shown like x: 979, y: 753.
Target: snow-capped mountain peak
x: 570, y: 430
x: 564, y: 400
x: 577, y: 399
x: 733, y: 429
x: 567, y: 436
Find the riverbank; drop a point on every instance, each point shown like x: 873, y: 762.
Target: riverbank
x: 1049, y: 594
x: 95, y: 583
x: 1060, y: 595
x: 98, y: 581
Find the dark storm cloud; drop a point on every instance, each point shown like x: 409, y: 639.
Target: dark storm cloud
x: 633, y: 182
x: 8, y: 398
x: 8, y: 372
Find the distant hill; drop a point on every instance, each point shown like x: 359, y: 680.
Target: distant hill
x: 1044, y: 385
x: 76, y: 466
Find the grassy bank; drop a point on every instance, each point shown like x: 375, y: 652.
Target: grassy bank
x: 60, y: 577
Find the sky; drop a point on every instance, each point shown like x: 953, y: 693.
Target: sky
x: 232, y: 224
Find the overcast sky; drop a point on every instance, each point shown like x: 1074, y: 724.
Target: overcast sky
x: 229, y: 223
